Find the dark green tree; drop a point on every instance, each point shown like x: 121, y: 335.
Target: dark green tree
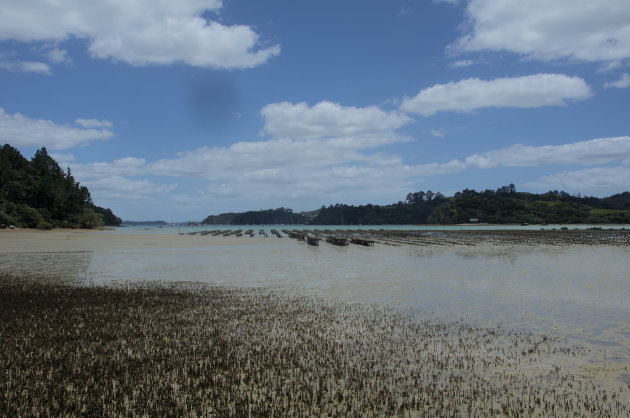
x: 40, y: 193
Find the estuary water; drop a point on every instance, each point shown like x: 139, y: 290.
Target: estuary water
x: 578, y: 292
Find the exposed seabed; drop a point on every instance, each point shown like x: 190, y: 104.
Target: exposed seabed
x: 170, y: 348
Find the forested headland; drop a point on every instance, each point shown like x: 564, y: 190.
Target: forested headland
x: 40, y: 194
x: 502, y: 206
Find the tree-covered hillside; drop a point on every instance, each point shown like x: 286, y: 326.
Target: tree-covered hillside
x: 261, y: 217
x: 505, y: 205
x: 38, y: 193
x: 501, y: 206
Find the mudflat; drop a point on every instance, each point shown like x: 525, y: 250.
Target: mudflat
x: 32, y: 240
x: 141, y: 322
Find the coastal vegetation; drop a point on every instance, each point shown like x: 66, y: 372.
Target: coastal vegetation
x: 502, y: 206
x: 261, y: 217
x: 190, y: 349
x: 144, y: 223
x: 40, y: 194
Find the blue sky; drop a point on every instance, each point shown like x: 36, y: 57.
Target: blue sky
x: 177, y: 110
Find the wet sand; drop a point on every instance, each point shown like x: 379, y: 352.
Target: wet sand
x: 66, y: 240
x: 181, y: 347
x: 195, y: 349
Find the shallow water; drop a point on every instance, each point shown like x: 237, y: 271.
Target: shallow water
x: 581, y: 293
x: 267, y: 228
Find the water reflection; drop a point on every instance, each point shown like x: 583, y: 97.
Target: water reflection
x: 66, y: 264
x: 509, y: 254
x: 588, y: 276
x: 581, y: 292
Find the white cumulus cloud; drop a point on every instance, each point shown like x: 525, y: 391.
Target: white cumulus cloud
x: 327, y: 119
x: 117, y: 187
x: 305, y: 173
x: 19, y: 130
x: 58, y: 56
x: 62, y: 158
x: 317, y: 169
x: 128, y: 166
x: 264, y: 160
x: 586, y: 180
x: 94, y: 123
x: 622, y: 83
x: 522, y: 92
x: 139, y: 32
x: 462, y: 63
x: 25, y: 66
x: 576, y: 29
x: 590, y: 152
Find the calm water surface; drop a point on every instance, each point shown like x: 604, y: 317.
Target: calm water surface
x: 579, y: 292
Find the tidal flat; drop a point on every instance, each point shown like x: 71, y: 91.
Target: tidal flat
x: 188, y: 325
x: 196, y: 349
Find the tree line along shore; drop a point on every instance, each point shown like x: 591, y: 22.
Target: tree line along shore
x: 38, y: 193
x: 502, y: 206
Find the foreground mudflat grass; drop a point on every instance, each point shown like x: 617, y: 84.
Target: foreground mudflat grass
x: 191, y: 349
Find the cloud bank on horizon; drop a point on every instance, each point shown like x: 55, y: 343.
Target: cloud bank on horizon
x: 363, y: 105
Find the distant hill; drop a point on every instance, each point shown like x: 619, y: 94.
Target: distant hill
x: 39, y: 194
x: 261, y: 217
x: 509, y: 206
x: 147, y: 223
x: 502, y: 206
x: 222, y: 219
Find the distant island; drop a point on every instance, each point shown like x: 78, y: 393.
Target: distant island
x: 39, y: 194
x: 502, y: 206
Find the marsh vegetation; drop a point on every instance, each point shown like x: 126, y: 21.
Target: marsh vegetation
x: 170, y: 348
